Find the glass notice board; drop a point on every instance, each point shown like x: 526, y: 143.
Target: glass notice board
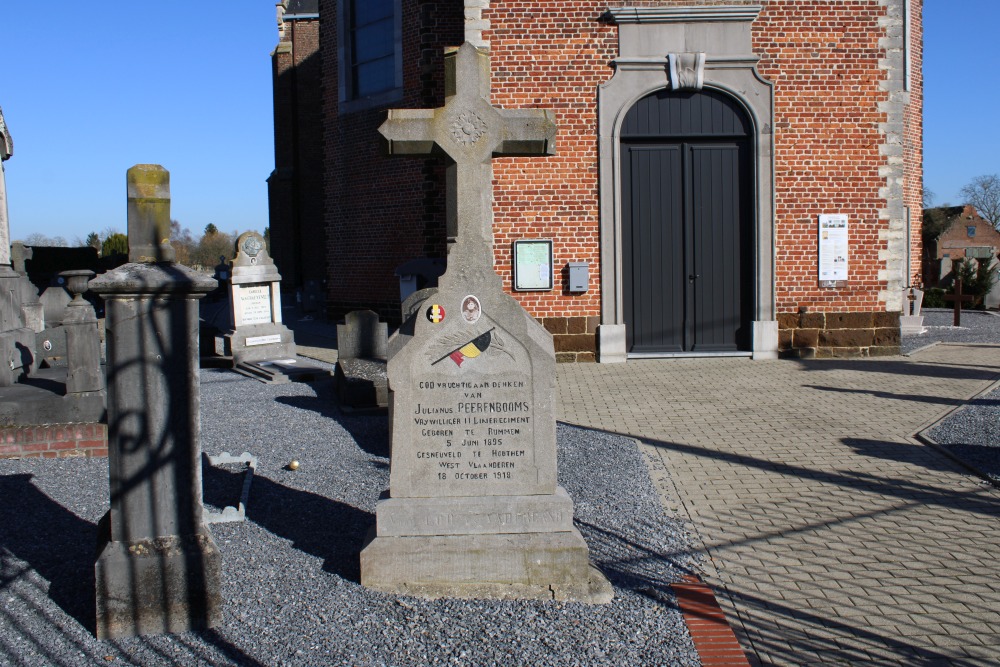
x: 533, y: 265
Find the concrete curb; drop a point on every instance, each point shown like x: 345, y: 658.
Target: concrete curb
x: 923, y: 437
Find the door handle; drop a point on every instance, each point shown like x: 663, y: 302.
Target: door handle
x: 694, y: 276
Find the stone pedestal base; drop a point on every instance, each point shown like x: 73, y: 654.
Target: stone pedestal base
x: 282, y: 372
x: 910, y: 325
x: 258, y: 342
x: 514, y: 565
x: 611, y: 344
x: 362, y: 384
x: 170, y: 584
x: 765, y: 339
x: 535, y: 566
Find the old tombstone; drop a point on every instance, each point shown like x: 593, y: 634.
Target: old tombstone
x: 911, y: 321
x: 158, y: 568
x: 32, y: 395
x: 260, y: 345
x: 254, y: 306
x: 473, y: 508
x: 55, y: 299
x: 149, y: 214
x: 362, y: 349
x: 17, y: 335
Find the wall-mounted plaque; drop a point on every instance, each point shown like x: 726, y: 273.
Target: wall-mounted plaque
x: 533, y: 265
x: 833, y: 250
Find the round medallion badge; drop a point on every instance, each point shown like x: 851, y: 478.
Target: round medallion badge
x: 435, y: 313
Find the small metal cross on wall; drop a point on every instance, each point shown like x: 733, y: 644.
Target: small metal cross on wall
x: 469, y: 131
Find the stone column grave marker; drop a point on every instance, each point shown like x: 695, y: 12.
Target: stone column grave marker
x: 158, y: 568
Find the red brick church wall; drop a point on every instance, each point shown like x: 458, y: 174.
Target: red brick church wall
x: 295, y: 188
x: 827, y: 67
x: 829, y: 73
x: 382, y: 212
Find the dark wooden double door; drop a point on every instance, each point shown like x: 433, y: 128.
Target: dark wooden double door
x: 687, y: 225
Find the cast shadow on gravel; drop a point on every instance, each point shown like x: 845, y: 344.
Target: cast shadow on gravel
x: 321, y: 527
x: 56, y: 543
x: 983, y: 459
x: 371, y: 432
x: 630, y: 564
x: 185, y: 648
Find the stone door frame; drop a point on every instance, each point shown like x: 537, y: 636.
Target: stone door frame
x: 647, y: 37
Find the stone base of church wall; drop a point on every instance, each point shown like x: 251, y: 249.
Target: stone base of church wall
x: 830, y: 335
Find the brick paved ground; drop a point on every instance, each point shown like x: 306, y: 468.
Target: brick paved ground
x: 833, y: 536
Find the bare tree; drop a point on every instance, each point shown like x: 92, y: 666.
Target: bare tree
x: 39, y: 239
x: 983, y: 192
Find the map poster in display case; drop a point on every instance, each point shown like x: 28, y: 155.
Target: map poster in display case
x: 833, y: 250
x: 533, y: 265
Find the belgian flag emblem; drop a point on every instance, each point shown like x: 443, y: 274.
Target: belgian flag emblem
x: 435, y: 313
x: 470, y: 350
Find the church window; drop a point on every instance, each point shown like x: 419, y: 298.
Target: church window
x: 370, y: 52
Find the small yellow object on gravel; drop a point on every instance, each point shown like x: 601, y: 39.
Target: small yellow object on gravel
x: 294, y: 465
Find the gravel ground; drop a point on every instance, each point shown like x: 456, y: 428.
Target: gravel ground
x: 978, y: 326
x: 971, y: 433
x: 290, y: 572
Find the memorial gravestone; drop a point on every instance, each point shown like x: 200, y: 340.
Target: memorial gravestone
x: 255, y: 300
x: 911, y: 321
x: 158, y: 568
x: 362, y: 348
x: 260, y: 345
x: 17, y: 333
x: 33, y: 394
x: 474, y: 509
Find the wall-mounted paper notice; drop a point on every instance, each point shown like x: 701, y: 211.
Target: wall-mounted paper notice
x: 833, y: 249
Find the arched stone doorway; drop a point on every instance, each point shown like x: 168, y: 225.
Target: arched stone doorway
x: 687, y: 224
x: 694, y: 49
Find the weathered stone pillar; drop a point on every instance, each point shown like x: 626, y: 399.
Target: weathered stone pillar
x: 157, y: 568
x: 83, y: 340
x: 149, y: 214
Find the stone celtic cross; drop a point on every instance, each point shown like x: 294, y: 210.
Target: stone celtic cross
x: 469, y: 131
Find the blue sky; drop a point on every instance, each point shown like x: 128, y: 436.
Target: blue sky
x: 961, y: 94
x: 88, y: 90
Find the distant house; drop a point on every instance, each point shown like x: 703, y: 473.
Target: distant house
x: 964, y: 234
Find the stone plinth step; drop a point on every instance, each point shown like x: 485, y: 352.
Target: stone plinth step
x: 281, y: 371
x: 540, y: 566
